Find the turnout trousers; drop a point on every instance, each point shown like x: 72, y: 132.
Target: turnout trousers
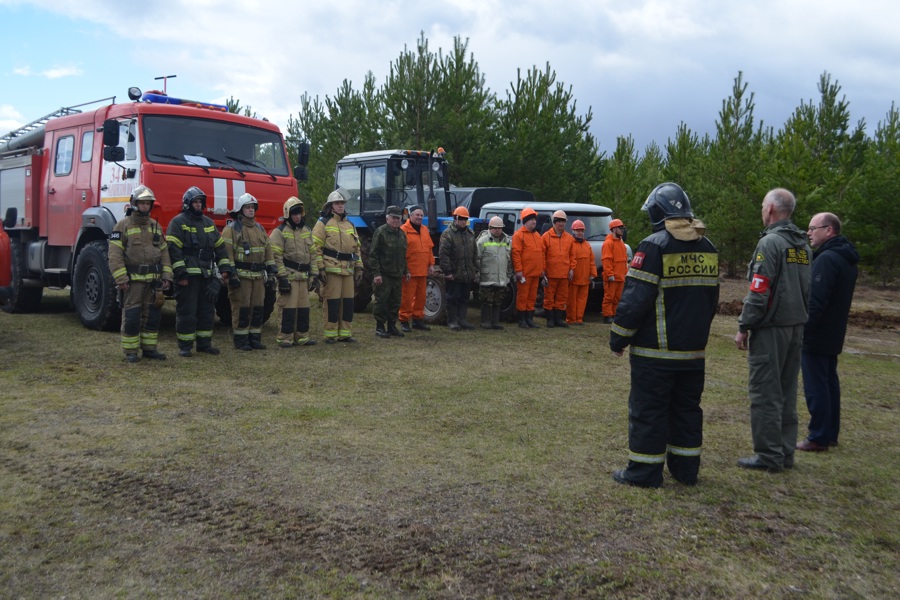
x: 194, y: 314
x: 339, y: 304
x: 665, y: 421
x: 293, y: 314
x: 140, y: 317
x: 247, y: 303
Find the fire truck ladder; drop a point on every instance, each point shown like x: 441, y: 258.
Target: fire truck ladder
x: 34, y: 125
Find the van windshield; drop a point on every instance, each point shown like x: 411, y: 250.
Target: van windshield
x: 213, y: 144
x: 595, y: 226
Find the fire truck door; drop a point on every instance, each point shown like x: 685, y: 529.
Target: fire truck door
x: 68, y: 188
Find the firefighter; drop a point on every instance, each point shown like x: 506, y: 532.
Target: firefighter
x: 340, y: 266
x: 292, y: 247
x: 251, y: 254
x: 670, y: 298
x: 139, y: 261
x: 494, y: 267
x: 582, y: 280
x: 528, y: 263
x: 457, y: 256
x: 420, y: 264
x: 614, y: 257
x: 387, y: 259
x: 559, y: 260
x: 196, y: 251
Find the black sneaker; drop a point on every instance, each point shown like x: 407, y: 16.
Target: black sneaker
x: 404, y: 327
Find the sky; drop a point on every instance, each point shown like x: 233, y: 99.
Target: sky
x: 641, y: 67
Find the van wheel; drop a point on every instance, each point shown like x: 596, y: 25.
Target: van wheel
x: 508, y: 305
x: 435, y: 300
x: 94, y: 289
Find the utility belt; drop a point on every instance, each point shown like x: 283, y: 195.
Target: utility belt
x: 290, y: 264
x: 135, y: 269
x: 340, y: 255
x: 202, y: 255
x: 245, y: 266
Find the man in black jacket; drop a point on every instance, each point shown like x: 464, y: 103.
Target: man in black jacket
x: 833, y: 279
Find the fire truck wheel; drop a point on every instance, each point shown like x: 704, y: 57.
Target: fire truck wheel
x: 22, y: 299
x: 435, y: 300
x: 94, y: 289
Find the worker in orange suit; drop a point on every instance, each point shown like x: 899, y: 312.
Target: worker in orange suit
x: 559, y: 260
x: 585, y: 272
x: 528, y: 264
x: 420, y: 264
x: 614, y: 256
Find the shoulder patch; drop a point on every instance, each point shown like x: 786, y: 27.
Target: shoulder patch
x: 759, y: 257
x: 115, y: 235
x: 638, y: 261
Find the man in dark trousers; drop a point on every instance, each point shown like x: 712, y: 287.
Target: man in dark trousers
x: 831, y: 288
x: 667, y: 307
x: 387, y: 259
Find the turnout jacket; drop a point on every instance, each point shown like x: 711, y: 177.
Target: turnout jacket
x: 779, y: 279
x: 337, y: 245
x: 670, y: 297
x: 834, y: 273
x: 195, y: 245
x: 292, y: 248
x: 528, y: 252
x: 457, y: 253
x: 387, y: 255
x: 249, y: 249
x: 492, y: 259
x: 419, y: 249
x: 585, y: 264
x: 138, y: 251
x: 559, y: 253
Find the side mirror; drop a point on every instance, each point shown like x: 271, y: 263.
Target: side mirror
x: 301, y: 173
x: 303, y: 154
x: 113, y: 153
x: 110, y: 132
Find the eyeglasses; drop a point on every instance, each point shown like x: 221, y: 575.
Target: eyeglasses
x: 811, y: 228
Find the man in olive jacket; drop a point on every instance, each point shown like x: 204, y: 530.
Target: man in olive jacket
x: 457, y: 260
x: 387, y: 259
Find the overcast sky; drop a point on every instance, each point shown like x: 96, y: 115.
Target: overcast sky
x: 642, y: 67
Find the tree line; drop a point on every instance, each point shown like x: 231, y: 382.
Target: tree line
x: 534, y: 137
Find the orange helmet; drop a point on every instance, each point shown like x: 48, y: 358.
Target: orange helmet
x: 461, y: 211
x: 616, y: 223
x: 578, y: 224
x: 527, y: 212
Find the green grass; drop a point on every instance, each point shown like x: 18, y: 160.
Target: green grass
x: 443, y: 465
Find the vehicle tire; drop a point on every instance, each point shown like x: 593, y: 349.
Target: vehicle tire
x: 364, y: 289
x: 435, y: 300
x: 22, y: 299
x: 508, y: 305
x: 94, y: 289
x: 223, y: 305
x: 539, y: 302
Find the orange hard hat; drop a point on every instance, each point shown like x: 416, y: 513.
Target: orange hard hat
x: 578, y: 224
x: 616, y: 223
x: 461, y: 211
x: 527, y: 212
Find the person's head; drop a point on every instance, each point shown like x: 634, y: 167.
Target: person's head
x: 495, y: 226
x: 461, y: 216
x: 293, y: 210
x: 193, y: 201
x: 777, y: 205
x: 142, y: 199
x: 578, y: 229
x: 529, y: 218
x: 336, y: 202
x: 667, y: 201
x: 617, y: 228
x: 246, y: 206
x: 393, y: 216
x: 559, y: 222
x: 416, y: 214
x: 823, y: 227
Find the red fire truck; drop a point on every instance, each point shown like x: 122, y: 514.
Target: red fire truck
x: 66, y: 178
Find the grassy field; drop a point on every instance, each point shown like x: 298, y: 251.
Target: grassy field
x: 443, y: 465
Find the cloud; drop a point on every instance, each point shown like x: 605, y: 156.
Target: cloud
x: 55, y: 72
x: 10, y: 118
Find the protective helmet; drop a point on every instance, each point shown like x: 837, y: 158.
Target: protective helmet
x: 615, y: 223
x: 496, y: 222
x: 559, y: 215
x: 578, y: 224
x: 293, y: 205
x: 243, y: 201
x: 338, y: 195
x: 667, y: 201
x: 142, y: 192
x: 526, y: 213
x: 193, y: 193
x: 461, y: 211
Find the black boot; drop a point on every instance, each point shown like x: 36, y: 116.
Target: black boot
x: 495, y: 318
x: 523, y: 319
x: 380, y: 331
x: 392, y: 329
x: 242, y: 342
x: 529, y: 319
x: 255, y: 340
x: 185, y: 349
x: 486, y: 316
x: 208, y: 348
x: 461, y: 315
x: 452, y: 318
x: 550, y: 314
x: 560, y: 317
x: 153, y: 354
x: 420, y: 325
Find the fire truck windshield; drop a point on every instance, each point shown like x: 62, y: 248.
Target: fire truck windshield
x: 184, y: 140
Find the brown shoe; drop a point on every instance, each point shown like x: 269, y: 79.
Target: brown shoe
x: 811, y: 446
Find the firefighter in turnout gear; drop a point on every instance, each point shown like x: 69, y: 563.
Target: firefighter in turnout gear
x: 292, y: 246
x: 667, y: 307
x: 340, y: 266
x: 196, y: 251
x: 139, y: 261
x: 250, y: 252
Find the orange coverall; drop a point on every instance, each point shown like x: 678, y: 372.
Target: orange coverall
x: 419, y: 256
x: 527, y: 257
x: 585, y: 271
x: 559, y: 257
x: 614, y: 256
